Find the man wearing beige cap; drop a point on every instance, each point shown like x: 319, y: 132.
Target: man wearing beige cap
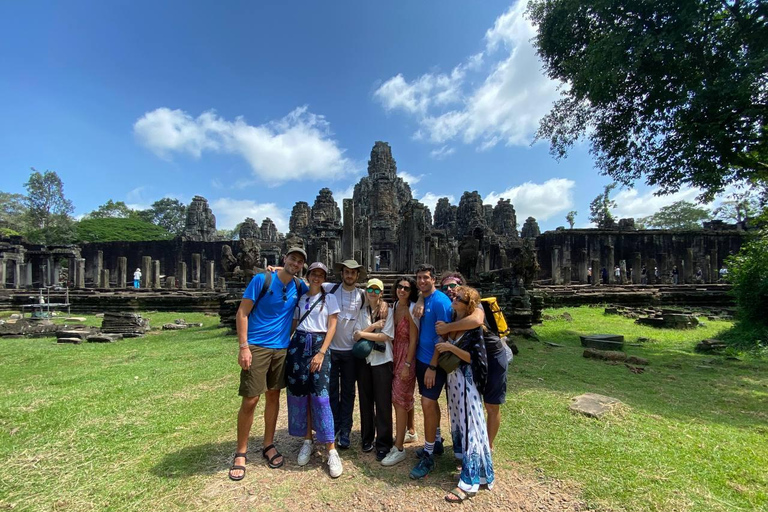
x: 342, y: 385
x: 263, y: 327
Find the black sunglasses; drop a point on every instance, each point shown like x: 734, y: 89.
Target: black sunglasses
x: 374, y: 290
x: 403, y: 287
x: 462, y: 300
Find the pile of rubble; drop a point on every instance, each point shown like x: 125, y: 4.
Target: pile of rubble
x: 130, y: 325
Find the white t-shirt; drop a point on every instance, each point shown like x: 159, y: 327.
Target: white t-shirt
x: 317, y: 319
x: 364, y: 320
x: 349, y: 304
x: 137, y: 275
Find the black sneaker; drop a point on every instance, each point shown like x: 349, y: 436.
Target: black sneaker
x: 439, y: 449
x: 380, y: 455
x: 367, y: 447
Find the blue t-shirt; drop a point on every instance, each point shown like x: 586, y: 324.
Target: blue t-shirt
x: 437, y: 307
x: 269, y: 325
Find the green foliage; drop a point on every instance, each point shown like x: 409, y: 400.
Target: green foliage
x: 673, y: 91
x: 13, y: 211
x: 740, y: 206
x: 678, y: 215
x: 117, y: 229
x: 571, y: 218
x: 600, y: 208
x: 168, y: 213
x: 111, y: 209
x: 48, y: 211
x: 748, y: 271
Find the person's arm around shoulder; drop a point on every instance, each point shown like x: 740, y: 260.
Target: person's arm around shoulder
x: 476, y: 319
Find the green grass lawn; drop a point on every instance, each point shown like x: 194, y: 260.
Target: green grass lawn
x: 146, y: 424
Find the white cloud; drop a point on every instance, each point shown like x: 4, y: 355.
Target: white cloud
x: 297, y: 147
x: 409, y: 178
x: 630, y: 203
x: 340, y: 195
x: 230, y: 212
x: 429, y: 199
x: 541, y: 201
x: 442, y: 152
x: 504, y: 108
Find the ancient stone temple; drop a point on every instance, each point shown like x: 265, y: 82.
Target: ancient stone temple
x: 249, y: 230
x: 530, y: 228
x: 269, y: 231
x: 201, y: 223
x: 317, y: 229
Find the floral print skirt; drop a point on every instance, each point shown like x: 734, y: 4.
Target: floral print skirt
x: 308, y: 391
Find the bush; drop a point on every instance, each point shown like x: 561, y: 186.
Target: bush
x: 119, y: 230
x: 748, y: 271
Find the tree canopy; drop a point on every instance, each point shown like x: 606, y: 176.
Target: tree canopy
x: 115, y: 229
x: 675, y: 91
x: 600, y: 208
x: 678, y: 215
x: 168, y: 213
x: 112, y: 209
x: 48, y: 211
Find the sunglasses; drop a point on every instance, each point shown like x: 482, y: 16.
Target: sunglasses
x: 374, y: 290
x: 449, y: 286
x: 403, y: 287
x: 462, y: 300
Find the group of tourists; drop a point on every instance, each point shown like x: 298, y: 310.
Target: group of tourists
x: 319, y: 340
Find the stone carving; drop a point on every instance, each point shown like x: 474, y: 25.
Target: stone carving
x: 228, y: 260
x: 627, y: 224
x: 470, y: 214
x: 530, y: 228
x: 249, y: 229
x: 325, y: 209
x: 200, y: 225
x: 249, y: 257
x: 301, y: 216
x: 445, y: 215
x: 268, y: 231
x: 504, y: 220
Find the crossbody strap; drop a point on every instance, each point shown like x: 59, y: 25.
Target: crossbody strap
x: 306, y: 313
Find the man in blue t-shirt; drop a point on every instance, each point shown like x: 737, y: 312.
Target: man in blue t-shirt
x: 431, y: 378
x: 263, y: 328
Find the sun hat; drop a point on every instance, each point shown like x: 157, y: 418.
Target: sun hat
x: 351, y: 264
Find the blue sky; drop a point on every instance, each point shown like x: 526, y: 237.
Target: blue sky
x: 257, y: 105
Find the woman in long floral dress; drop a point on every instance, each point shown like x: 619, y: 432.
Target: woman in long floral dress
x: 465, y: 400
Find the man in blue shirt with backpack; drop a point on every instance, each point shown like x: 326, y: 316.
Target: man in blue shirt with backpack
x: 263, y: 329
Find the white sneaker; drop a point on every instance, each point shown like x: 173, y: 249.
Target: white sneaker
x: 410, y: 438
x: 334, y: 464
x: 305, y: 453
x: 393, y: 457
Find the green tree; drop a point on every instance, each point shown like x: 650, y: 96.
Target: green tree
x: 748, y: 271
x: 115, y: 229
x: 13, y: 212
x: 168, y: 213
x: 600, y: 208
x: 675, y: 91
x: 49, y: 218
x: 111, y: 209
x: 678, y: 215
x: 571, y: 218
x: 739, y: 207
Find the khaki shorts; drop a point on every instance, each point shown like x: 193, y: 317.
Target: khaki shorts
x: 267, y: 371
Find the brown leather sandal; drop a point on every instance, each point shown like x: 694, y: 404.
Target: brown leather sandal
x: 271, y: 460
x: 236, y: 467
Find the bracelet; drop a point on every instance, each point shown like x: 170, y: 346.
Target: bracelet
x: 433, y: 367
x: 407, y: 364
x: 320, y: 352
x: 244, y: 346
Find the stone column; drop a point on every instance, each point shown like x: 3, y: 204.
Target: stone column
x: 28, y: 274
x: 146, y: 272
x: 3, y: 276
x: 689, y: 265
x: 706, y: 272
x: 664, y: 268
x: 56, y: 272
x: 182, y: 275
x: 98, y: 265
x: 595, y: 271
x: 80, y: 283
x: 122, y: 271
x: 651, y: 271
x: 567, y: 275
x: 104, y: 278
x: 348, y: 236
x: 17, y: 280
x: 611, y: 263
x: 222, y: 283
x: 210, y: 275
x: 714, y: 265
x: 170, y: 282
x: 555, y: 256
x: 156, y: 274
x: 637, y: 267
x: 583, y: 264
x: 623, y: 270
x: 196, y: 270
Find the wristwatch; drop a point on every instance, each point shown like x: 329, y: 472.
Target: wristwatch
x: 433, y: 367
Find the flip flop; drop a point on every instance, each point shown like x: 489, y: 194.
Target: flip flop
x: 237, y: 467
x: 457, y: 495
x: 271, y: 460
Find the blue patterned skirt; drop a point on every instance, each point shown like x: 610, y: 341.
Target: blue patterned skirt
x: 308, y: 391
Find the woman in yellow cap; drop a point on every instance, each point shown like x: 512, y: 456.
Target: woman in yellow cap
x: 373, y: 350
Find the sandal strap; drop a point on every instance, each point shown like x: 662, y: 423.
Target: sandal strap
x: 236, y: 466
x: 243, y: 455
x: 267, y: 448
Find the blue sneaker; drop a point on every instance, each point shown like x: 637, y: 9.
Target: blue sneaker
x: 439, y: 449
x: 424, y: 467
x: 343, y: 440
